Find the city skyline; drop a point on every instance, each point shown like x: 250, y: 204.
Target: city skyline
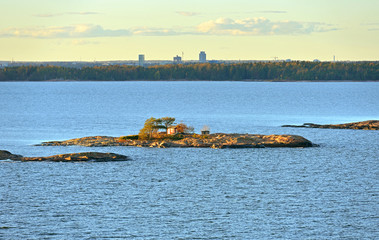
x: 247, y: 30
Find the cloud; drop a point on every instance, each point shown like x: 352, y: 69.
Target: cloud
x: 370, y: 24
x: 80, y: 42
x: 223, y: 26
x: 260, y: 26
x: 47, y: 15
x: 374, y: 26
x: 147, y: 31
x: 191, y: 14
x: 187, y: 14
x: 83, y: 13
x: 272, y: 11
x: 74, y: 31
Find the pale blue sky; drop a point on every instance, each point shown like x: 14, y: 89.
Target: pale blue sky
x: 240, y: 29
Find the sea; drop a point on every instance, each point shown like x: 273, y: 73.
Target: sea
x: 325, y: 192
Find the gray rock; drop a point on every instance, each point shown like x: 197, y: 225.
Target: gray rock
x: 5, y: 155
x: 365, y: 125
x: 70, y: 157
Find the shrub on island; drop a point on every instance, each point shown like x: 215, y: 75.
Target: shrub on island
x: 163, y: 128
x: 129, y: 137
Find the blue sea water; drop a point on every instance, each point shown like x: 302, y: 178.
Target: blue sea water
x: 328, y: 192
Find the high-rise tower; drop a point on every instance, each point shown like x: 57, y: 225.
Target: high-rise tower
x: 202, y: 57
x: 141, y: 60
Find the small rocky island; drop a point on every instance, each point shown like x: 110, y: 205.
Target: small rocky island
x: 365, y: 125
x: 70, y: 157
x: 164, y: 133
x: 217, y: 140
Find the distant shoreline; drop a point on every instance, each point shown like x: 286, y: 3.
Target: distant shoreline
x: 186, y: 80
x: 241, y: 72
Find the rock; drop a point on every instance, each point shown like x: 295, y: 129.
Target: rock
x: 365, y: 125
x: 285, y: 141
x: 165, y: 144
x: 217, y: 146
x: 80, y: 157
x: 70, y: 157
x: 5, y: 155
x: 244, y: 146
x: 96, y: 141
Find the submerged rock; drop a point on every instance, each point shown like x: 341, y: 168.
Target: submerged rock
x: 69, y: 157
x: 365, y: 125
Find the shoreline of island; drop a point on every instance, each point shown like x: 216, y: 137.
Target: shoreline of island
x: 216, y: 141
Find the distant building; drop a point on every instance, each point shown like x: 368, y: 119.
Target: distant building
x: 141, y: 60
x: 202, y: 57
x: 316, y: 60
x: 177, y: 59
x: 205, y: 130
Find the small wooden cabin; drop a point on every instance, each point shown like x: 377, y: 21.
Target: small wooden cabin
x: 205, y: 130
x: 172, y: 130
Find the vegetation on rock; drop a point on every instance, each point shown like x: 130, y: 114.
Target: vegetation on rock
x: 152, y: 126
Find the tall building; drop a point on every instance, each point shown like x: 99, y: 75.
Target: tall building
x: 177, y: 59
x: 202, y: 57
x: 141, y: 60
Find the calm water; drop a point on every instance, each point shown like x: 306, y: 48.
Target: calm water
x: 329, y: 192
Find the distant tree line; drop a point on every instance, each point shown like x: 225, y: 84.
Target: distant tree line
x: 360, y: 71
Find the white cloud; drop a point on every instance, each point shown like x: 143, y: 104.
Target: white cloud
x: 187, y: 14
x: 82, y: 13
x: 46, y: 15
x: 373, y: 26
x: 370, y: 24
x: 147, y: 31
x: 260, y: 26
x: 74, y: 31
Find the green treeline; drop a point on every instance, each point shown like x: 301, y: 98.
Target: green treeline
x: 361, y: 71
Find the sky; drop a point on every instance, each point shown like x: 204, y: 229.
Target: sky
x: 101, y: 30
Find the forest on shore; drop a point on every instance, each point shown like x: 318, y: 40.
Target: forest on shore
x: 259, y: 71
